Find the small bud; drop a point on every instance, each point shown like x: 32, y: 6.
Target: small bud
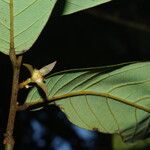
x: 47, y: 69
x: 37, y: 76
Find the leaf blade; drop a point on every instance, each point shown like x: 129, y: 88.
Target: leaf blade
x: 118, y: 100
x: 29, y: 18
x: 72, y: 6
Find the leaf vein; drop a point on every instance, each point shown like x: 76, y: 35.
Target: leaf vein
x: 5, y: 1
x: 113, y: 115
x: 127, y: 84
x: 27, y: 28
x: 80, y: 84
x: 92, y: 111
x: 61, y: 77
x: 111, y: 75
x: 136, y: 124
x: 69, y: 82
x: 78, y: 114
x: 4, y: 40
x: 3, y: 24
x: 80, y: 93
x: 17, y: 14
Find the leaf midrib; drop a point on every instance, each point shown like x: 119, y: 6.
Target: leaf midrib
x: 11, y: 11
x: 81, y: 93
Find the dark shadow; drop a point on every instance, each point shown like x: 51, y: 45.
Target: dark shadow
x: 58, y: 9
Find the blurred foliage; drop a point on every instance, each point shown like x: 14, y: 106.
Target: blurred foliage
x: 118, y: 144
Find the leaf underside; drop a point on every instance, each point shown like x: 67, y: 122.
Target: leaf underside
x: 72, y: 6
x: 21, y: 22
x: 109, y: 101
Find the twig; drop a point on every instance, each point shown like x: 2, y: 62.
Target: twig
x: 16, y: 63
x: 9, y: 141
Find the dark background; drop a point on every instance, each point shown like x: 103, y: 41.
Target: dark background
x: 112, y: 33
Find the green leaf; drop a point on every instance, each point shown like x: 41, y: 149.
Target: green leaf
x: 72, y: 6
x: 21, y: 22
x: 109, y: 101
x: 139, y: 145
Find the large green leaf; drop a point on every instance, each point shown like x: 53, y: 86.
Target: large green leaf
x: 72, y: 6
x: 109, y: 101
x: 21, y: 22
